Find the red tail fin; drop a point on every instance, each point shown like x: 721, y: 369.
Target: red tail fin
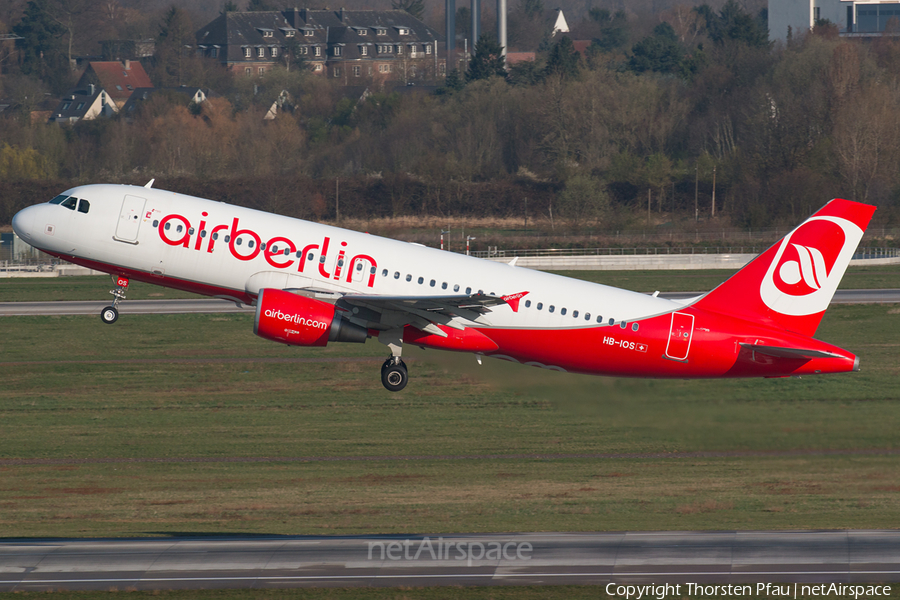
x: 791, y: 284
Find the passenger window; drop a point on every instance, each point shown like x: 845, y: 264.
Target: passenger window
x: 562, y: 311
x: 227, y: 238
x: 274, y: 248
x: 634, y: 326
x: 310, y: 257
x: 421, y: 280
x: 168, y: 225
x: 341, y: 263
x: 261, y: 246
x: 409, y: 278
x: 623, y: 324
x: 552, y: 308
x: 359, y: 266
x: 587, y: 316
x: 481, y: 291
x: 396, y: 274
x: 70, y: 203
x: 384, y: 273
x: 444, y: 286
x: 203, y: 233
x: 191, y: 231
x: 456, y: 287
x: 612, y: 321
x: 322, y: 259
x: 250, y: 243
x: 432, y: 283
x: 372, y: 270
x: 528, y: 304
x: 287, y: 251
x: 599, y: 319
x: 156, y: 222
x: 468, y: 290
x: 574, y: 314
x: 84, y: 206
x: 540, y: 306
x: 239, y: 241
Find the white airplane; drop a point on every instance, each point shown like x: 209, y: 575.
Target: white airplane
x: 313, y: 284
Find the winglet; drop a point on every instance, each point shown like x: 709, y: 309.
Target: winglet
x: 149, y: 184
x: 513, y: 300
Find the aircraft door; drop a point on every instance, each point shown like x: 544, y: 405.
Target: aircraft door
x: 680, y: 333
x: 130, y: 219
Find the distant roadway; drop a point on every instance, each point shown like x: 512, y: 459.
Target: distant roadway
x: 213, y: 305
x: 627, y: 558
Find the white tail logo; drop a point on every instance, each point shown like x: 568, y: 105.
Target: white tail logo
x: 806, y: 285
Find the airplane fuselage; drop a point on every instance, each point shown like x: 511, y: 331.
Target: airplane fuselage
x: 230, y: 252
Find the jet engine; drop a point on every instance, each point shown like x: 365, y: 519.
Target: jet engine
x: 299, y: 321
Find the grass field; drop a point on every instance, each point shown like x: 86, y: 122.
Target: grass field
x: 194, y: 386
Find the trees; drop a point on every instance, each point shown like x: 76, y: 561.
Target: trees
x: 175, y: 33
x: 414, y: 7
x: 583, y: 199
x: 563, y: 60
x: 488, y: 60
x: 42, y: 47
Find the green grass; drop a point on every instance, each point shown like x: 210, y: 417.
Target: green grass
x: 194, y: 386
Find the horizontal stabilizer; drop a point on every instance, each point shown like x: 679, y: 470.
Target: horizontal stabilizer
x: 781, y: 352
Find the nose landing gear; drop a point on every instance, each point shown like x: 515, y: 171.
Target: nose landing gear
x: 110, y: 314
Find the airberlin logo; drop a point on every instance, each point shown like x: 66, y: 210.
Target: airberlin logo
x: 297, y: 319
x: 280, y: 252
x: 808, y: 266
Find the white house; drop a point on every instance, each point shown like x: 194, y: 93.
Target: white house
x: 852, y: 18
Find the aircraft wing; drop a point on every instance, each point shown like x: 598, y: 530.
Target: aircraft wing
x: 422, y: 312
x: 782, y: 352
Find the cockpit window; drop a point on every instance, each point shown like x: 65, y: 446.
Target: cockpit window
x: 58, y: 199
x: 70, y: 202
x: 84, y: 206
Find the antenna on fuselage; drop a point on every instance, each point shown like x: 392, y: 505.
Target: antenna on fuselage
x: 149, y: 184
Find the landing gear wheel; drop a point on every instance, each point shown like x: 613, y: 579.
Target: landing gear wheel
x: 394, y: 376
x: 109, y: 315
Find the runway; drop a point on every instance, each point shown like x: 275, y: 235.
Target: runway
x: 214, y: 305
x: 752, y: 557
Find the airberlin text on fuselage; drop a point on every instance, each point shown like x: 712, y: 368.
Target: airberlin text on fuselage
x: 203, y: 235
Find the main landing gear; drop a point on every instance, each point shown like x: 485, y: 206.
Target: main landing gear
x: 394, y: 375
x: 110, y: 314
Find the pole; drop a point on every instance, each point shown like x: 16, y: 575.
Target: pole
x: 337, y: 200
x: 648, y: 207
x: 714, y: 193
x: 696, y: 190
x: 526, y: 213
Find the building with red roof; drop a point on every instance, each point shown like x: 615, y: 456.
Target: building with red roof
x: 118, y: 79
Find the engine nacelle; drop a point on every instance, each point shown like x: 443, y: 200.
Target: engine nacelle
x: 299, y: 321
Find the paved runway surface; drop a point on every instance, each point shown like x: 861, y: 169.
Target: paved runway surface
x: 213, y: 305
x: 492, y: 559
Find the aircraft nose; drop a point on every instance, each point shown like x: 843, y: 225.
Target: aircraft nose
x: 23, y: 223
